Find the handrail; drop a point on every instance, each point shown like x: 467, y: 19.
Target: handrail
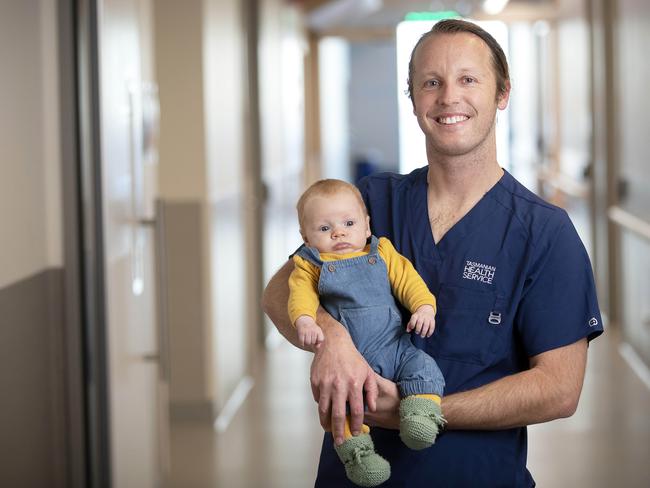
x: 629, y: 221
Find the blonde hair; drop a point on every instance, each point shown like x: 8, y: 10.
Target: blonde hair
x: 326, y: 187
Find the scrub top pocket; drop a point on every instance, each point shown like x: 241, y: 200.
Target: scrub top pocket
x: 469, y: 325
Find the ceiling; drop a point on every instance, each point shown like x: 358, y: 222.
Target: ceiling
x: 380, y: 16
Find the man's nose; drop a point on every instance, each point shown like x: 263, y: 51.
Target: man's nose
x: 448, y: 94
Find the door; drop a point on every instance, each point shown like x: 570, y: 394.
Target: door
x: 128, y: 121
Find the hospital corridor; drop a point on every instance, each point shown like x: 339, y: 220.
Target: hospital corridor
x: 152, y: 153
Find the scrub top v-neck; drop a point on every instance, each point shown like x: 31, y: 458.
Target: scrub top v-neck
x: 418, y: 220
x: 512, y: 280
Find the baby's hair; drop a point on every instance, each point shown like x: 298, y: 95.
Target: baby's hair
x: 326, y: 188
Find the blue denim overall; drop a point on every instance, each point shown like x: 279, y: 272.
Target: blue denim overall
x: 356, y: 292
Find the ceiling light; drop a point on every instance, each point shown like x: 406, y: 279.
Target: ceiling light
x: 494, y: 7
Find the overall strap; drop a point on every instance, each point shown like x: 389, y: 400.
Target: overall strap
x: 374, y: 244
x: 311, y: 254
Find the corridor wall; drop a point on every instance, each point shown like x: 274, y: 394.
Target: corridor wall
x: 32, y: 436
x: 200, y: 60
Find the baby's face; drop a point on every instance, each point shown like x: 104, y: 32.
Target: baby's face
x: 335, y: 223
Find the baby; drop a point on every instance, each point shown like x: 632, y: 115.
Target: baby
x: 354, y: 276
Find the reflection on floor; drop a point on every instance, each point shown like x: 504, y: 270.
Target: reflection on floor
x: 273, y: 441
x: 275, y: 438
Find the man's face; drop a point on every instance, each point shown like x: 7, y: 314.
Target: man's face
x: 335, y: 224
x: 455, y: 95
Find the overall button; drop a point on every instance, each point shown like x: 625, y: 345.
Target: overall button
x: 372, y: 260
x: 331, y: 268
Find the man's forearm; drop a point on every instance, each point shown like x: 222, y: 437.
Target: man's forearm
x: 547, y: 391
x: 274, y: 303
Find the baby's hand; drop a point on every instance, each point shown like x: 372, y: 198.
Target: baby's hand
x: 423, y: 321
x: 309, y: 333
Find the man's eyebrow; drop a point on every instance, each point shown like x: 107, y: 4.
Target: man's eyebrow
x: 468, y: 70
x: 474, y: 69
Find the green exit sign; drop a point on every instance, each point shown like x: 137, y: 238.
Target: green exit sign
x: 443, y: 14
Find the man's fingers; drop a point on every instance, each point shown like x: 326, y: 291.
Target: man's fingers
x: 355, y: 398
x: 372, y: 390
x: 324, y: 411
x: 338, y: 399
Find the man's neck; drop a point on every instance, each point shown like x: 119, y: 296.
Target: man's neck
x: 455, y: 186
x: 460, y: 180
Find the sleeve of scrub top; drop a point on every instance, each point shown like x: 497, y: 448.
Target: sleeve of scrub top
x: 559, y: 304
x: 407, y: 285
x: 303, y: 289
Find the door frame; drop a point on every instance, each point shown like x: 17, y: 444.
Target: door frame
x: 87, y: 415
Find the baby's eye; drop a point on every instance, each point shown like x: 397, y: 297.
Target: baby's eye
x: 349, y: 223
x: 324, y: 228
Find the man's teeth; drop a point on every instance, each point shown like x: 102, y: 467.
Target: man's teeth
x: 452, y: 120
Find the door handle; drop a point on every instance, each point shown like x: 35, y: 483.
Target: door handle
x: 147, y: 222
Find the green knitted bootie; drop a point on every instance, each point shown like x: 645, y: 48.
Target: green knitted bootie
x: 363, y: 466
x: 420, y: 420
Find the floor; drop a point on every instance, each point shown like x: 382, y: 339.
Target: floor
x: 272, y: 442
x: 274, y: 439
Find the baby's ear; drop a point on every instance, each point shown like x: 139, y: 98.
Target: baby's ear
x: 304, y: 237
x: 368, y: 233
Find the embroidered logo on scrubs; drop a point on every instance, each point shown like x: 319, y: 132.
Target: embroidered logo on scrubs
x: 479, y: 272
x: 593, y: 321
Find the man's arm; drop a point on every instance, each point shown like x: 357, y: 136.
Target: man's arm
x: 274, y: 303
x: 339, y: 374
x: 549, y: 390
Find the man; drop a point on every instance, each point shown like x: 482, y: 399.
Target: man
x: 516, y: 297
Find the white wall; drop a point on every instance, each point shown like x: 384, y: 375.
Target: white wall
x: 30, y: 207
x: 178, y: 34
x: 179, y: 64
x: 200, y: 61
x: 225, y: 217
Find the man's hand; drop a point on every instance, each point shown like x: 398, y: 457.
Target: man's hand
x: 423, y: 321
x: 339, y: 374
x: 387, y: 413
x: 309, y: 334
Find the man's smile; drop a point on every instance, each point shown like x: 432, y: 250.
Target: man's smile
x: 451, y: 119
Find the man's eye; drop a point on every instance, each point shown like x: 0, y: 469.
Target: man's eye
x: 324, y: 228
x: 349, y: 223
x: 431, y: 83
x: 468, y: 80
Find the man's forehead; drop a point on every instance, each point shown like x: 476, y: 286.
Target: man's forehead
x: 455, y: 40
x: 471, y: 45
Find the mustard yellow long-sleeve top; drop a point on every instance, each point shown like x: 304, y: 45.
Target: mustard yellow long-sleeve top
x: 407, y: 285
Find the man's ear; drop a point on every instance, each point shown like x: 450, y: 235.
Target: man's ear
x: 503, y: 97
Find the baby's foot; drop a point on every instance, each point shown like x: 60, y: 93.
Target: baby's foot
x: 420, y: 420
x: 363, y: 466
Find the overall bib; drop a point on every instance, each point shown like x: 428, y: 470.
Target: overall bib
x: 356, y: 291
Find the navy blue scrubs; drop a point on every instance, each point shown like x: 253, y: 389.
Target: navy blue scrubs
x: 512, y: 280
